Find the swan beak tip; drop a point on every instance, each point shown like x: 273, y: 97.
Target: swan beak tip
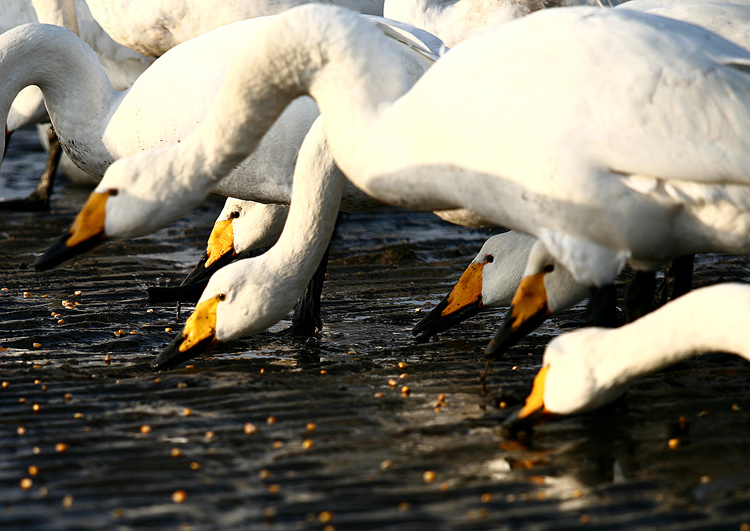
x: 534, y: 410
x: 62, y: 250
x: 176, y: 353
x: 198, y: 336
x: 463, y: 302
x: 86, y: 232
x: 527, y: 311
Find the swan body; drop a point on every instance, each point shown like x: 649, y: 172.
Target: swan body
x: 152, y: 27
x: 491, y: 280
x: 718, y: 206
x: 588, y: 368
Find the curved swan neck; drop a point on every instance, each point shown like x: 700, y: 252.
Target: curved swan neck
x: 333, y: 54
x: 76, y: 90
x: 316, y: 196
x: 712, y: 319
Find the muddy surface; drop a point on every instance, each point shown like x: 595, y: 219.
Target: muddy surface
x: 102, y: 443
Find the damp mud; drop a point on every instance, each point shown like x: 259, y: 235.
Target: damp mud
x: 358, y: 429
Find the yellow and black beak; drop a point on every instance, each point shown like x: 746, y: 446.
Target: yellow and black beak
x: 464, y: 301
x: 197, y: 337
x: 86, y: 232
x: 534, y: 411
x: 219, y: 252
x: 528, y: 309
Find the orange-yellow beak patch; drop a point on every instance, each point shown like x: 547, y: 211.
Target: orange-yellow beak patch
x: 201, y: 325
x: 220, y: 242
x: 535, y: 401
x: 529, y: 300
x: 90, y: 220
x: 467, y: 290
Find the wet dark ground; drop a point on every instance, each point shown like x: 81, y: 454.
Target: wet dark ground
x: 336, y: 444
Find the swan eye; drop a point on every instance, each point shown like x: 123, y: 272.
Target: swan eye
x: 549, y: 268
x: 234, y: 215
x: 113, y: 191
x: 222, y: 296
x: 490, y: 258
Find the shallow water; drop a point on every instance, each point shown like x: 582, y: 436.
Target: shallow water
x: 376, y: 458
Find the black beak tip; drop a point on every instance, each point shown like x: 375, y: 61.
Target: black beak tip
x: 435, y: 322
x: 516, y: 426
x: 171, y: 357
x: 54, y: 255
x: 60, y: 251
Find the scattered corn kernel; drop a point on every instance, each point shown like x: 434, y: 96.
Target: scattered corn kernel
x: 26, y: 483
x: 179, y: 496
x: 429, y: 476
x: 250, y: 428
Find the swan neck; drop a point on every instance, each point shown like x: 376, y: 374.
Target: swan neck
x: 696, y: 323
x: 343, y: 61
x: 315, y: 201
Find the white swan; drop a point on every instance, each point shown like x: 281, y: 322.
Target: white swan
x: 491, y: 280
x: 151, y: 114
x: 730, y: 20
x: 455, y: 21
x: 152, y: 27
x: 589, y: 368
x: 672, y: 104
x: 242, y: 289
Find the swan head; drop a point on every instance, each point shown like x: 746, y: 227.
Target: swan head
x: 568, y: 382
x: 243, y: 229
x: 546, y: 288
x: 488, y: 282
x: 239, y: 300
x: 137, y: 196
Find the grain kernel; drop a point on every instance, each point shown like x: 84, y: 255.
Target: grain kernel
x: 429, y: 476
x: 175, y: 452
x: 405, y: 390
x: 250, y: 428
x: 386, y: 464
x: 673, y: 443
x: 307, y: 444
x: 26, y: 483
x: 310, y: 426
x: 145, y: 429
x: 67, y: 501
x: 179, y: 496
x: 61, y: 447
